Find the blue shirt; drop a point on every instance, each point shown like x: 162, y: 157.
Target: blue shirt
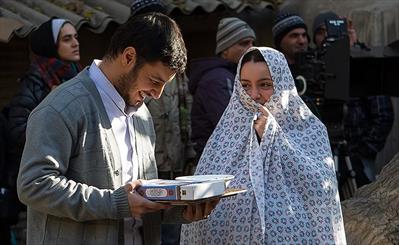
x: 120, y: 116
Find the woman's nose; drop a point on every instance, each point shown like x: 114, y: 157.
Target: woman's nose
x: 75, y: 42
x: 255, y: 93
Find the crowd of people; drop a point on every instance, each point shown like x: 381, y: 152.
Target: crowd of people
x: 75, y: 142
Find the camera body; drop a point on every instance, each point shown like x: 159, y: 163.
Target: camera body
x: 322, y: 77
x: 324, y: 72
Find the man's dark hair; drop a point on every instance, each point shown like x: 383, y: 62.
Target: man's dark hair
x: 155, y: 37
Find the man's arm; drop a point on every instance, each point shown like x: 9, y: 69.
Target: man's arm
x: 42, y: 183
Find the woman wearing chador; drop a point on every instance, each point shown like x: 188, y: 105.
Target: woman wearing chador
x: 277, y: 150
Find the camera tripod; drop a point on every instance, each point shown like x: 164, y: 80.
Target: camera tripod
x: 346, y: 175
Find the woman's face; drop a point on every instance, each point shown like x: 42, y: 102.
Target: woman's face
x: 257, y: 81
x: 68, y: 44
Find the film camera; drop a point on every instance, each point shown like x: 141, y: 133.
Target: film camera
x: 323, y: 73
x: 330, y: 75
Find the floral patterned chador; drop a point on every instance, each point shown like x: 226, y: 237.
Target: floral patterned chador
x: 292, y: 195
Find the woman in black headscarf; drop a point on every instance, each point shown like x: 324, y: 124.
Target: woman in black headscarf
x: 55, y: 53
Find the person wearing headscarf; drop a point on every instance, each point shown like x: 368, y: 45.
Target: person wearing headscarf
x: 54, y: 60
x: 280, y: 153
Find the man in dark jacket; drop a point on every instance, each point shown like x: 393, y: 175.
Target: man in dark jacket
x: 212, y: 79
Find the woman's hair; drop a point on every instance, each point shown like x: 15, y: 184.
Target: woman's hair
x: 254, y: 56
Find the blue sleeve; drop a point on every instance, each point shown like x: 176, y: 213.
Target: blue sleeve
x: 215, y: 96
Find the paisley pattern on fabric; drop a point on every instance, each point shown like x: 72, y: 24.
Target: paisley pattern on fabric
x: 292, y: 195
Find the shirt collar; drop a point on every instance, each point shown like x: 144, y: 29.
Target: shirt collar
x: 106, y: 86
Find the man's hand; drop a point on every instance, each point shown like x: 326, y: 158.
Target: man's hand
x: 138, y: 204
x: 199, y: 211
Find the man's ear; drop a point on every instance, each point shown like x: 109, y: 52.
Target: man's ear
x: 223, y: 54
x: 129, y: 57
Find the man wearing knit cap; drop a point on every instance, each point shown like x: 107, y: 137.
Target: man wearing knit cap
x: 290, y: 35
x: 320, y: 30
x: 319, y: 27
x: 212, y: 79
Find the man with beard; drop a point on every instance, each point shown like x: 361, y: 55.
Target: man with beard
x: 92, y: 138
x: 290, y: 37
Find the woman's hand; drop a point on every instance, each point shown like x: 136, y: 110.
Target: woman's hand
x: 260, y: 122
x: 195, y: 212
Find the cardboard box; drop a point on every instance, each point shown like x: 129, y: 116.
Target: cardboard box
x: 164, y: 190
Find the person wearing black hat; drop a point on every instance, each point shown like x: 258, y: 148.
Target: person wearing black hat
x: 319, y: 27
x: 55, y: 56
x: 54, y: 59
x: 320, y: 31
x: 290, y: 35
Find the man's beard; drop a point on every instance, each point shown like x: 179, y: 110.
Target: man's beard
x: 126, y: 83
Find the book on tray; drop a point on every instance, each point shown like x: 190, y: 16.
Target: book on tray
x: 172, y: 190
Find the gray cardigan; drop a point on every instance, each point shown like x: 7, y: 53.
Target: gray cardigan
x: 70, y: 176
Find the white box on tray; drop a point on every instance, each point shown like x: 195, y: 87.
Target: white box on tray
x: 164, y: 190
x: 202, y: 190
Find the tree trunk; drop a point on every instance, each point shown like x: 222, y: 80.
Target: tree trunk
x: 372, y: 215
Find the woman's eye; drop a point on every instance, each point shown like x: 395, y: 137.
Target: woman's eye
x: 265, y: 85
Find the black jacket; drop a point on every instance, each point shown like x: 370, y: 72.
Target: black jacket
x: 9, y: 204
x: 32, y: 91
x: 211, y: 83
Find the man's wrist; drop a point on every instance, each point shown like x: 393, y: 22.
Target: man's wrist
x: 121, y: 203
